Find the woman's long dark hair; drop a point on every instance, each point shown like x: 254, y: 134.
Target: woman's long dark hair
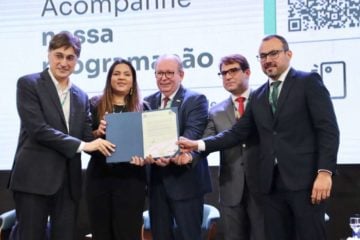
x: 132, y: 99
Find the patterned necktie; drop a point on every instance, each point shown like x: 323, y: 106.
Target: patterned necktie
x: 240, y: 108
x: 165, y: 100
x: 274, y: 95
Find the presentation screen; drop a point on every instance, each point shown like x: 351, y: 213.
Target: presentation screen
x: 200, y: 32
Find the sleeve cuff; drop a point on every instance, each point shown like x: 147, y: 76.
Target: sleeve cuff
x: 201, y: 145
x: 81, y: 147
x: 325, y: 170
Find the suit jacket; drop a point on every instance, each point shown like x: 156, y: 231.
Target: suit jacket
x: 47, y: 150
x: 300, y: 138
x: 236, y: 163
x: 183, y: 182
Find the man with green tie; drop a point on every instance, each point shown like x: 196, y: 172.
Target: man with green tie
x: 299, y: 141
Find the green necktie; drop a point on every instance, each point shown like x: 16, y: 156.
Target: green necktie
x: 274, y: 95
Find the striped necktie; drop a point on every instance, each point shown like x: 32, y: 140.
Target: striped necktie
x: 166, y: 101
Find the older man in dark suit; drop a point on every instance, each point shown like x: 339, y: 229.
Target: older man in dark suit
x: 299, y: 139
x: 177, y: 189
x: 55, y: 129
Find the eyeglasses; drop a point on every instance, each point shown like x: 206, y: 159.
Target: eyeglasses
x: 167, y: 74
x: 231, y: 71
x: 272, y: 55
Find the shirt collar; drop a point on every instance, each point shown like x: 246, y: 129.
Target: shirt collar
x: 281, y: 78
x: 171, y: 97
x: 245, y: 94
x: 57, y: 84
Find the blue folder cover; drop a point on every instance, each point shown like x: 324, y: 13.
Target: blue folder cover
x: 125, y: 131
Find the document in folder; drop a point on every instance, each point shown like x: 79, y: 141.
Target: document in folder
x: 142, y: 134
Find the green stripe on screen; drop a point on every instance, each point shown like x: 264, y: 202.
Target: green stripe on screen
x: 270, y: 17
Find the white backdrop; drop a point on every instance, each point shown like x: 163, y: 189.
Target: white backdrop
x: 200, y: 31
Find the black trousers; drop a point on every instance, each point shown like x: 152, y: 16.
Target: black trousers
x: 290, y: 214
x: 115, y: 207
x: 187, y: 213
x: 33, y: 211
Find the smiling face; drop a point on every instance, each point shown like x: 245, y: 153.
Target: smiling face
x: 274, y: 58
x: 62, y: 62
x: 121, y: 79
x: 168, y: 75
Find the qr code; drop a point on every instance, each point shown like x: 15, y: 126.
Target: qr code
x: 307, y: 15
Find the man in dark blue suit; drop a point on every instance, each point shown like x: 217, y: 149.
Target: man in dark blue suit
x: 55, y: 129
x: 299, y: 140
x: 177, y: 189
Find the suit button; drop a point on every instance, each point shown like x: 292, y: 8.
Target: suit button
x: 244, y: 145
x: 242, y: 164
x: 274, y: 132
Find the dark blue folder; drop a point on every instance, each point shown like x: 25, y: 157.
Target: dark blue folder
x: 126, y: 132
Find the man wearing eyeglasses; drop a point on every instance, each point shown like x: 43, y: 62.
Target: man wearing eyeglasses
x: 177, y: 185
x: 299, y: 139
x: 240, y: 200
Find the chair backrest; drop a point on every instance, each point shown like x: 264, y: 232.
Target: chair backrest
x: 146, y: 219
x: 7, y: 221
x: 210, y: 215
